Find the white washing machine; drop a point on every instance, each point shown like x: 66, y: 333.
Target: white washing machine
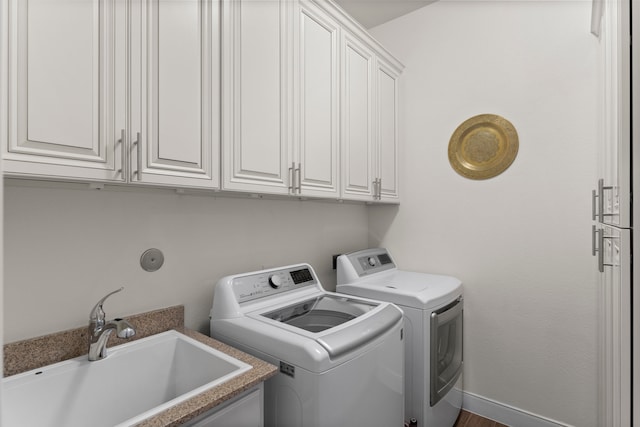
x: 341, y: 358
x: 432, y: 306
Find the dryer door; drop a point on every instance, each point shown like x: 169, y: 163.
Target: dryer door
x: 446, y: 349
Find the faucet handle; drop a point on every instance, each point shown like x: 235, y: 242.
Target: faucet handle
x: 97, y: 313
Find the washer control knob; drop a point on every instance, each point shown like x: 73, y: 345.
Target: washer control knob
x: 275, y: 281
x: 372, y: 261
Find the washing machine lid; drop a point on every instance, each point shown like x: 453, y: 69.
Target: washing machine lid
x: 406, y: 288
x: 320, y: 318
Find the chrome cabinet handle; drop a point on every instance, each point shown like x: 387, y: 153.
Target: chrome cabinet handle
x: 597, y: 246
x: 292, y: 184
x: 600, y: 199
x: 594, y: 196
x: 123, y: 135
x: 138, y: 144
x: 600, y: 250
x: 298, y: 188
x: 377, y: 189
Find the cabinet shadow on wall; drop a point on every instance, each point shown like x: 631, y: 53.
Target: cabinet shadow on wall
x: 380, y: 219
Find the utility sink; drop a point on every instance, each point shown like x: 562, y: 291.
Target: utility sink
x: 135, y: 381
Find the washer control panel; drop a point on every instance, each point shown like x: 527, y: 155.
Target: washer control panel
x: 271, y: 282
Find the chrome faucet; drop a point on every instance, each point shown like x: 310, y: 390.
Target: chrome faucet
x: 100, y: 329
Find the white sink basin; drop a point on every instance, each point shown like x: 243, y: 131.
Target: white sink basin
x: 135, y: 381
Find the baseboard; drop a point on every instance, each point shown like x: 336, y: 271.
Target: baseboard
x: 505, y: 414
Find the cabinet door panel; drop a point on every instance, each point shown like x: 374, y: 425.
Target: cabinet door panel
x: 615, y: 327
x: 260, y: 93
x: 357, y: 115
x: 318, y: 141
x: 62, y: 89
x: 614, y: 156
x: 178, y: 58
x: 255, y: 92
x: 60, y: 94
x: 179, y: 142
x: 387, y: 106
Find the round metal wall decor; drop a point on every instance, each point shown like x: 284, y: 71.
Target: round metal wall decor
x: 483, y: 146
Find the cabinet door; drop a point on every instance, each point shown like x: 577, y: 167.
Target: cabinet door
x: 614, y: 152
x: 175, y: 93
x: 615, y: 327
x: 357, y: 115
x: 63, y: 98
x: 256, y: 91
x: 244, y: 411
x: 316, y: 151
x: 387, y: 131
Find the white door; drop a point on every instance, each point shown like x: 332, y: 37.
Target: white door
x: 66, y: 102
x: 174, y: 128
x: 316, y: 150
x: 387, y: 131
x: 358, y: 169
x: 256, y: 91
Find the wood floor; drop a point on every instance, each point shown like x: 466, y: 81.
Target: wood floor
x: 468, y: 419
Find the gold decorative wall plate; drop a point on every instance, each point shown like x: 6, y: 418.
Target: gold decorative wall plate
x: 483, y: 146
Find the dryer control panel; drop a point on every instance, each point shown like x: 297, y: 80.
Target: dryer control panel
x: 370, y: 261
x: 271, y: 282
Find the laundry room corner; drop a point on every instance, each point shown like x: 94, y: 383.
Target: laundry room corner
x: 517, y: 241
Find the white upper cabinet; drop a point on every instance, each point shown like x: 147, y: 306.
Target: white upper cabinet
x: 174, y: 124
x: 280, y: 99
x: 358, y: 158
x: 369, y: 122
x: 256, y: 95
x: 387, y: 131
x: 111, y: 91
x: 315, y: 153
x: 63, y: 89
x: 262, y: 96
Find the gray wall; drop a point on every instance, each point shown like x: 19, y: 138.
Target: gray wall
x: 67, y: 246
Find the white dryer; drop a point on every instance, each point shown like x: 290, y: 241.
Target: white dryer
x: 341, y: 358
x: 433, y: 309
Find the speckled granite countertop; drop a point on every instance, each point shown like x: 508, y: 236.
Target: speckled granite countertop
x: 34, y: 353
